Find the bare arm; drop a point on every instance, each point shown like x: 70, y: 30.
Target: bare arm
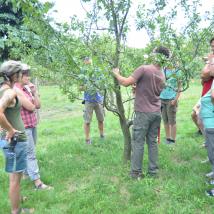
x: 208, y: 70
x: 125, y: 81
x: 205, y: 74
x: 212, y: 96
x: 6, y: 101
x: 179, y: 90
x: 27, y: 104
x: 174, y: 102
x: 37, y: 102
x: 35, y: 95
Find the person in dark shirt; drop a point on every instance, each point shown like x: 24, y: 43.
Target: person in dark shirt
x: 150, y: 81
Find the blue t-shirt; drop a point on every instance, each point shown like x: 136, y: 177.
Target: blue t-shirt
x: 207, y: 110
x: 92, y: 94
x: 169, y: 93
x: 93, y: 98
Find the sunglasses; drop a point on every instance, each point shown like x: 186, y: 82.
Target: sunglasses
x: 26, y: 73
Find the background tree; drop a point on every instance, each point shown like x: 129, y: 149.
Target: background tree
x: 62, y: 53
x: 11, y: 19
x: 103, y: 37
x: 188, y: 42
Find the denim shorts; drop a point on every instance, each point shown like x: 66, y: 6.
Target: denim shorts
x: 16, y: 161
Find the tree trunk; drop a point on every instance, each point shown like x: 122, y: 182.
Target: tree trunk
x: 123, y: 123
x: 118, y: 31
x: 127, y: 140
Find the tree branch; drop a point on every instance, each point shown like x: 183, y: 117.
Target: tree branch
x: 114, y: 110
x: 124, y: 20
x: 130, y: 99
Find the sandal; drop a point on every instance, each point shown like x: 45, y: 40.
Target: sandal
x: 43, y: 186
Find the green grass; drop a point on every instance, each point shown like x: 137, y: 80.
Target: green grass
x: 93, y: 179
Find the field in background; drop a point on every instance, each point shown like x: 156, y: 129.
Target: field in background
x: 92, y: 178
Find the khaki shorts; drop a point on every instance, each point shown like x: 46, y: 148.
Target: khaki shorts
x: 88, y: 112
x: 168, y: 112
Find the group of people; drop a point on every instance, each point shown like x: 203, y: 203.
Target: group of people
x: 203, y: 112
x: 19, y: 100
x: 152, y: 98
x: 157, y: 90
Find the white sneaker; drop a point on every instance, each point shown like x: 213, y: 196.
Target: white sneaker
x: 210, y: 182
x: 205, y: 161
x: 210, y: 175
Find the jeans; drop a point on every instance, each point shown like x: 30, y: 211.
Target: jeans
x: 209, y: 134
x: 16, y: 160
x: 32, y: 164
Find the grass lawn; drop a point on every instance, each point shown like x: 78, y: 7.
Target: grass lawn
x: 92, y: 179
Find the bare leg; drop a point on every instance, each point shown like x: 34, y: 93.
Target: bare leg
x: 167, y: 130
x: 14, y: 191
x: 87, y: 131
x: 200, y: 125
x: 173, y: 131
x: 101, y: 127
x: 197, y: 121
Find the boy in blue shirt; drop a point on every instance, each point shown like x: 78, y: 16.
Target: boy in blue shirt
x: 93, y: 101
x: 169, y: 99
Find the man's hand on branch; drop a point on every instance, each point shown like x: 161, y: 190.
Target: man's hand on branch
x: 82, y: 87
x: 116, y: 71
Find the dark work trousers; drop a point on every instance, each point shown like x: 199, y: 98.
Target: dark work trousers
x: 145, y: 128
